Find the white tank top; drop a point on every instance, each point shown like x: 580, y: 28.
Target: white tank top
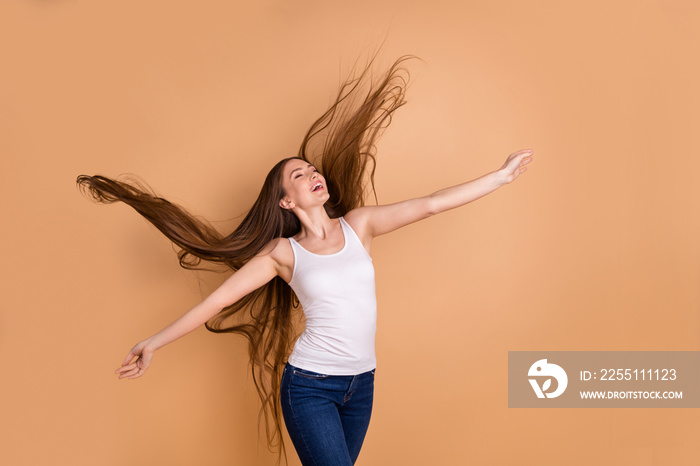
x: 338, y: 297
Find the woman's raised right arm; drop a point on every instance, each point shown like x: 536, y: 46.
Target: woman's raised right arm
x: 255, y: 273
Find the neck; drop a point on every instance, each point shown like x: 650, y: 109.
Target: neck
x: 315, y: 223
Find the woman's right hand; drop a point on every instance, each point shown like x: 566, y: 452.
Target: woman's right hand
x: 131, y: 370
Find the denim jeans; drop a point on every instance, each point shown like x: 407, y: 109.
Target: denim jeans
x: 326, y: 416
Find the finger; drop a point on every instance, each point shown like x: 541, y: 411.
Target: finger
x: 135, y: 373
x: 517, y: 158
x: 129, y: 373
x: 522, y: 152
x: 128, y: 359
x: 138, y: 374
x: 125, y: 368
x: 523, y: 163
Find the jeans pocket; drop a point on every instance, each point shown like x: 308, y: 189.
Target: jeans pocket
x: 373, y: 371
x: 309, y: 374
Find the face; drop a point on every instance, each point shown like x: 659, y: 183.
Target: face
x: 303, y: 184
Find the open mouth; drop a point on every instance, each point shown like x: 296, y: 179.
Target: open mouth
x: 317, y: 187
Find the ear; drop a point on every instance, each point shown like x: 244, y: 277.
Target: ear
x: 286, y: 204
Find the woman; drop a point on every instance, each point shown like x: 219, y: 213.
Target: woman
x: 306, y: 240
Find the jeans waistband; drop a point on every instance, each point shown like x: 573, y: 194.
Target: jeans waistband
x: 310, y: 372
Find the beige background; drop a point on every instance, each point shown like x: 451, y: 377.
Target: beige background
x: 594, y: 248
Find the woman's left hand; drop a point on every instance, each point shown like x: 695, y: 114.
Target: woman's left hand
x: 515, y: 164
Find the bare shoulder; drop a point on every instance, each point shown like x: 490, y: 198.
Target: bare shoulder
x: 281, y: 252
x: 358, y: 220
x: 376, y: 220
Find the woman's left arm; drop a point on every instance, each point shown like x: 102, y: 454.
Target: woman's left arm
x: 456, y: 196
x: 383, y: 219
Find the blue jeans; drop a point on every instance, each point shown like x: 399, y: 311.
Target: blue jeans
x: 327, y: 416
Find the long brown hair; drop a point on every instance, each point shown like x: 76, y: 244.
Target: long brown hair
x: 344, y: 139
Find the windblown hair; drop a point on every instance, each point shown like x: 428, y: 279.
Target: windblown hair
x: 345, y: 135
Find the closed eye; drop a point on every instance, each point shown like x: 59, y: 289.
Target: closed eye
x: 300, y: 173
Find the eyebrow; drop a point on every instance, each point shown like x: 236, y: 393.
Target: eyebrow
x: 290, y: 175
